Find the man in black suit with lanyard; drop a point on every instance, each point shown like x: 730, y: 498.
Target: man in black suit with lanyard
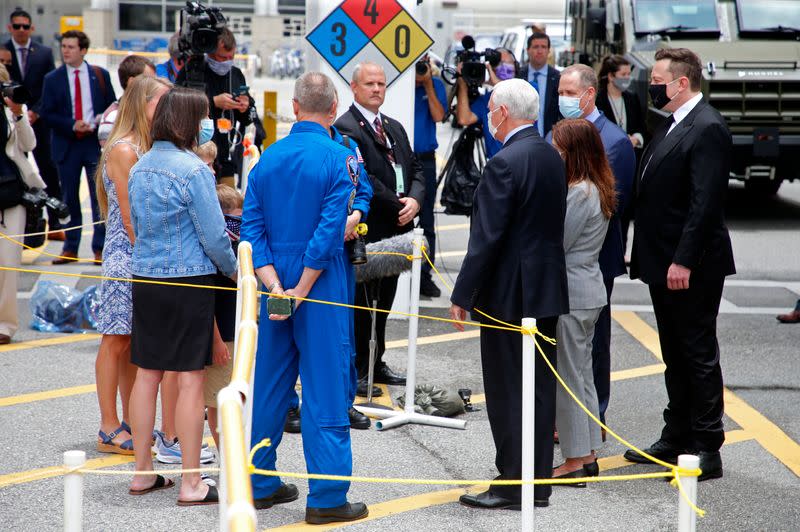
x: 398, y: 192
x: 30, y: 62
x: 514, y: 269
x: 682, y: 250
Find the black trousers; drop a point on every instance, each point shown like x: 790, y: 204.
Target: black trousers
x: 501, y: 356
x: 47, y: 169
x: 601, y: 352
x: 384, y: 289
x: 687, y: 328
x: 426, y: 217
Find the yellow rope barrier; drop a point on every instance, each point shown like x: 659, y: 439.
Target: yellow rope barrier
x: 40, y: 233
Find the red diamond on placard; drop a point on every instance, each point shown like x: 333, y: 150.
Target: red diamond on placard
x: 371, y: 15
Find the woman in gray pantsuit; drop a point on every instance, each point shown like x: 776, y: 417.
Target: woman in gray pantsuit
x: 590, y: 203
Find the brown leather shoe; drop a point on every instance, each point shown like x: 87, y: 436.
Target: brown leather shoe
x: 792, y: 317
x: 5, y: 339
x: 98, y: 257
x: 65, y: 258
x: 56, y: 235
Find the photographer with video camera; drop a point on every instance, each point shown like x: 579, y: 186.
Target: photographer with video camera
x: 229, y: 102
x: 17, y: 175
x: 472, y: 107
x: 430, y: 98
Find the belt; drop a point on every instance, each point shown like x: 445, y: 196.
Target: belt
x: 426, y: 156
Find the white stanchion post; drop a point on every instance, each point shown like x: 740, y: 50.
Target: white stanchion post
x: 687, y: 519
x: 528, y: 408
x: 73, y: 492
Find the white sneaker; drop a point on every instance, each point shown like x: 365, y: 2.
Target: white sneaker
x: 207, y: 479
x: 170, y: 453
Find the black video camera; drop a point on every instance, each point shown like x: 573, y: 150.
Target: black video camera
x: 36, y: 198
x: 201, y: 27
x: 15, y: 92
x: 422, y: 67
x: 473, y: 64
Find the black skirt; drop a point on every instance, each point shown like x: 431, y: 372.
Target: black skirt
x: 173, y: 326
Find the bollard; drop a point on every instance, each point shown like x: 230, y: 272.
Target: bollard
x: 687, y: 519
x: 73, y: 492
x: 528, y: 407
x: 270, y: 120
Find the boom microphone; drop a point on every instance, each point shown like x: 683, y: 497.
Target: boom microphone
x: 379, y: 266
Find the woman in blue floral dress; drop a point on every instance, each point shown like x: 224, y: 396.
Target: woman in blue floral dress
x: 129, y: 139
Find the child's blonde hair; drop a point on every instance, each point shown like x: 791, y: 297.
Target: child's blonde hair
x: 207, y: 151
x: 230, y: 199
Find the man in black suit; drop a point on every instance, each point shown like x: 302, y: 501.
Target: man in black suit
x: 398, y: 192
x: 682, y: 250
x: 544, y: 79
x: 515, y: 268
x: 30, y: 62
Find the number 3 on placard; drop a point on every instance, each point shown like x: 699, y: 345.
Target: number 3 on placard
x: 339, y: 33
x: 371, y: 10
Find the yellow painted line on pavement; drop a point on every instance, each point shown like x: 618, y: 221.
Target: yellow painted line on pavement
x: 45, y: 342
x: 634, y: 373
x: 49, y: 394
x: 436, y: 339
x: 436, y: 498
x: 447, y: 254
x: 768, y: 434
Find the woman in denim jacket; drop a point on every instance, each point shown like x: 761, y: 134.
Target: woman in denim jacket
x: 180, y: 238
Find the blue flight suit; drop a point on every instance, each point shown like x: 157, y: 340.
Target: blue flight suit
x: 294, y: 216
x: 360, y: 203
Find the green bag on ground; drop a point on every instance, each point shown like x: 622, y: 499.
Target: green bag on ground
x: 435, y: 401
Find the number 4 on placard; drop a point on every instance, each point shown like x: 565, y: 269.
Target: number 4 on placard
x: 371, y: 10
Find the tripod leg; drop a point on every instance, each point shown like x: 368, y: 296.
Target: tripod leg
x: 372, y: 345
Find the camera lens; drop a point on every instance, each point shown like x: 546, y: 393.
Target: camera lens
x: 422, y: 68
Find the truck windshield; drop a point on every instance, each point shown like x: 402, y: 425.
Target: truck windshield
x: 769, y: 16
x: 675, y: 16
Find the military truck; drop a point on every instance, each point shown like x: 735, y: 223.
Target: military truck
x: 751, y: 53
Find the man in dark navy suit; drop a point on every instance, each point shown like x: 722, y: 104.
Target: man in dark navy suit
x: 30, y: 62
x: 73, y: 97
x: 515, y: 268
x: 577, y: 90
x: 544, y: 79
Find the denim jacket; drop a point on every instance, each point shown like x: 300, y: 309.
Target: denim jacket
x: 176, y: 217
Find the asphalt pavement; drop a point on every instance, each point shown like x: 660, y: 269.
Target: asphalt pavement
x: 48, y: 406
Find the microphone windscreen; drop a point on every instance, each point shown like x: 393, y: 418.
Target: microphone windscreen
x: 379, y: 266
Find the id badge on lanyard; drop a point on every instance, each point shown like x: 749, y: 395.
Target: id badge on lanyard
x: 400, y: 184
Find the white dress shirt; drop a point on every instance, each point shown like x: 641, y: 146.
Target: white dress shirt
x: 370, y: 116
x: 515, y: 131
x: 86, y: 91
x: 682, y: 111
x: 542, y: 83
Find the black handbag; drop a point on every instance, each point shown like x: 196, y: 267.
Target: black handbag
x: 462, y: 173
x: 11, y: 189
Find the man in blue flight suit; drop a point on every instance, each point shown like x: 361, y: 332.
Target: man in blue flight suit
x: 294, y: 216
x: 356, y: 213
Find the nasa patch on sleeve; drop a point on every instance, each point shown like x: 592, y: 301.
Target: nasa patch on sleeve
x: 353, y: 169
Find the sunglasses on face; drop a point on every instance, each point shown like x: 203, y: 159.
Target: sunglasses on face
x: 21, y: 26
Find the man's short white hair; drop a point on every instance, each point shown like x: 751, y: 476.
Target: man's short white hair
x: 359, y: 67
x: 314, y: 92
x: 519, y: 97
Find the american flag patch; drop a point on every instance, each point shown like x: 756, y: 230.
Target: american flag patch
x: 358, y: 156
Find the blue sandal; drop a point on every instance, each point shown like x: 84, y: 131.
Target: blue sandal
x: 107, y: 445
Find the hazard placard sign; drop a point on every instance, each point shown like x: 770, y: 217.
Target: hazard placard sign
x: 378, y: 31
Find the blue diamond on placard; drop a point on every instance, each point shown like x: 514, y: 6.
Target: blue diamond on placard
x: 337, y: 39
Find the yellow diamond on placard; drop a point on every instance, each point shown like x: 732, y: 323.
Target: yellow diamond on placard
x: 402, y: 41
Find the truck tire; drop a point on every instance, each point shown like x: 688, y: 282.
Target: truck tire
x: 763, y: 187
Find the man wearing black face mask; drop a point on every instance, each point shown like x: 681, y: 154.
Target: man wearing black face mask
x: 682, y: 251
x: 226, y: 105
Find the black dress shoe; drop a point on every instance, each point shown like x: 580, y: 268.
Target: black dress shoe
x: 386, y: 375
x: 710, y: 464
x: 361, y: 390
x: 541, y: 503
x: 489, y: 501
x: 358, y: 420
x: 660, y: 449
x: 285, y: 493
x: 292, y: 424
x: 349, y: 511
x: 591, y: 470
x: 579, y: 473
x: 428, y: 288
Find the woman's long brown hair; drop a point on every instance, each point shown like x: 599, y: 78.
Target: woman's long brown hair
x: 585, y: 158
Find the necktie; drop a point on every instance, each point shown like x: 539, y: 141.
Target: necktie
x: 23, y: 63
x: 535, y: 81
x: 382, y: 138
x: 78, y: 102
x: 656, y: 141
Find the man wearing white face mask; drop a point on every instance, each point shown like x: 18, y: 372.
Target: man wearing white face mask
x: 515, y: 268
x: 577, y: 90
x: 227, y: 103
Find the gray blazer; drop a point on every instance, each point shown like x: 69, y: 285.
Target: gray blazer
x: 585, y: 229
